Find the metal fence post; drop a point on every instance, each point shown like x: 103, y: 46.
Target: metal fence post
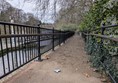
x: 103, y: 29
x: 102, y: 33
x: 39, y: 53
x: 53, y: 39
x: 101, y: 43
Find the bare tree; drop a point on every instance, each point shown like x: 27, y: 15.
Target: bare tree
x: 66, y: 10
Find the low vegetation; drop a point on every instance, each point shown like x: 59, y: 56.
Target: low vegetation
x: 103, y: 53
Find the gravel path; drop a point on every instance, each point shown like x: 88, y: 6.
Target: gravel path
x: 70, y: 58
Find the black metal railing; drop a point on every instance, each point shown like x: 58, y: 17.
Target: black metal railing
x: 102, y: 46
x: 20, y: 44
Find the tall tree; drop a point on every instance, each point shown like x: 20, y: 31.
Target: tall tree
x: 64, y: 10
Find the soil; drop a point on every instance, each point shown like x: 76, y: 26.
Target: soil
x: 70, y: 58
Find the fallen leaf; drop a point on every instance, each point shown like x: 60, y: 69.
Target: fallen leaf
x: 95, y: 70
x: 87, y: 75
x: 103, y: 80
x: 76, y: 69
x: 47, y: 57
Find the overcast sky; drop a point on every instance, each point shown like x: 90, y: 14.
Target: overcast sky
x: 28, y: 7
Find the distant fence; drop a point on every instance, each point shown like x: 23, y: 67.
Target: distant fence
x: 102, y: 45
x: 20, y: 44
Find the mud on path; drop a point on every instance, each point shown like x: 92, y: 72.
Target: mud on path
x: 70, y: 58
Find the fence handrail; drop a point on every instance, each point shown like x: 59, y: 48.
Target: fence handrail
x: 23, y: 25
x: 23, y: 35
x: 103, y: 36
x: 110, y: 26
x: 16, y: 24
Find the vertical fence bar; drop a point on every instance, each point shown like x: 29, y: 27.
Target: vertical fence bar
x: 35, y: 51
x: 16, y: 59
x: 53, y: 39
x: 6, y: 42
x: 3, y: 61
x: 34, y: 38
x: 27, y: 41
x: 21, y: 32
x: 11, y: 48
x: 39, y: 54
x: 30, y: 40
x: 19, y: 46
x: 24, y: 45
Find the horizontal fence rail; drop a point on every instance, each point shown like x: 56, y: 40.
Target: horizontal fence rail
x: 102, y: 46
x: 20, y: 44
x: 102, y: 36
x: 103, y: 27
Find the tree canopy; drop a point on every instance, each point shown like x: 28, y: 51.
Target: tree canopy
x: 8, y: 13
x: 85, y: 14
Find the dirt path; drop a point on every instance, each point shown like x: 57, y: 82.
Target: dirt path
x: 70, y: 58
